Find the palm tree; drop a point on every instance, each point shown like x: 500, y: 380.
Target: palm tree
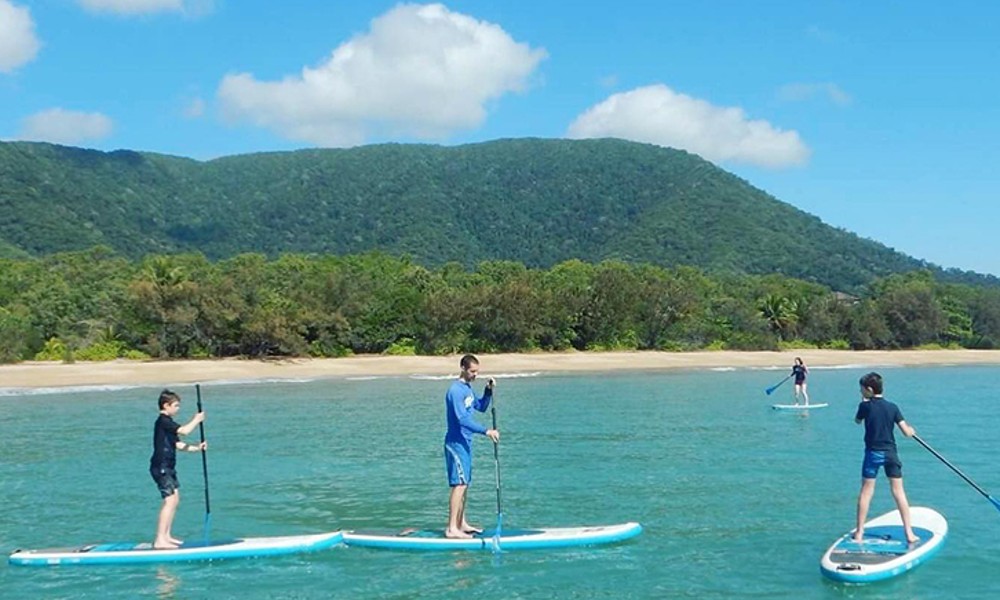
x: 780, y: 313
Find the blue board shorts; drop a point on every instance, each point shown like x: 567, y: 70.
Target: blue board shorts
x: 166, y: 480
x: 881, y: 458
x: 458, y: 464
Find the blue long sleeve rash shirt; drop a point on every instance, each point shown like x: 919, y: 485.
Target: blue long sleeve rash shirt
x: 460, y: 401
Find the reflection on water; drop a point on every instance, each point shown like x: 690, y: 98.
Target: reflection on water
x: 168, y: 583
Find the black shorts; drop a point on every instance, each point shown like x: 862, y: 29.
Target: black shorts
x: 166, y: 480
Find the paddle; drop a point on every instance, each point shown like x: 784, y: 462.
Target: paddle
x: 496, y: 462
x: 995, y: 502
x: 204, y: 467
x: 777, y: 385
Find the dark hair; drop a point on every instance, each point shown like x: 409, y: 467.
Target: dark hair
x: 872, y: 381
x: 799, y: 360
x: 468, y: 360
x: 166, y: 397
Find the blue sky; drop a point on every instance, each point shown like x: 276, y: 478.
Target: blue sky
x: 882, y: 118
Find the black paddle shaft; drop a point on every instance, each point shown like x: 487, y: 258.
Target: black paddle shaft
x: 952, y: 467
x: 496, y: 452
x: 204, y: 452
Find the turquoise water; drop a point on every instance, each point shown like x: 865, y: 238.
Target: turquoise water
x: 737, y: 500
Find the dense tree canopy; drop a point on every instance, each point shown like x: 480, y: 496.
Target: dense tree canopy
x: 535, y: 202
x: 95, y: 304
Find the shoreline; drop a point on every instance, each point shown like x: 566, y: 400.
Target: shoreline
x: 31, y: 375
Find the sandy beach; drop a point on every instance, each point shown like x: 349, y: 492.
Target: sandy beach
x: 48, y: 374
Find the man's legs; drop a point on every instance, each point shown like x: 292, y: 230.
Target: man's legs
x: 456, y: 512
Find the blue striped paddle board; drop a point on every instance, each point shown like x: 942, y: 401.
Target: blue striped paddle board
x: 510, y: 539
x: 884, y: 552
x: 132, y: 553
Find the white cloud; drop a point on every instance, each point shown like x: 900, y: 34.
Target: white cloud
x: 140, y: 7
x: 18, y: 43
x: 421, y: 71
x: 798, y: 92
x: 658, y: 115
x: 61, y: 126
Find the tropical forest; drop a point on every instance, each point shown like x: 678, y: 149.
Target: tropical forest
x: 522, y: 245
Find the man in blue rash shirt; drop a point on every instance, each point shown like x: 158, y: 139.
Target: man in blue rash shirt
x: 880, y: 417
x: 459, y: 403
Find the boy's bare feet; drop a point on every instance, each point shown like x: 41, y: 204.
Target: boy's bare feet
x: 471, y: 528
x: 164, y: 545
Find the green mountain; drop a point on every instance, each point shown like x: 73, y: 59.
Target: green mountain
x: 535, y: 201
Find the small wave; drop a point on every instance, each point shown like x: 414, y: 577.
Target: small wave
x: 256, y: 381
x: 69, y: 389
x: 722, y: 369
x: 515, y: 375
x: 482, y: 377
x: 364, y: 378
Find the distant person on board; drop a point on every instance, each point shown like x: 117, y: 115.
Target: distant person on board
x: 460, y: 401
x: 162, y: 464
x: 799, y: 371
x: 880, y: 417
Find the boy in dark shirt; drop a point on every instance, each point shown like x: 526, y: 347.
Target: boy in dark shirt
x: 162, y: 463
x: 880, y: 417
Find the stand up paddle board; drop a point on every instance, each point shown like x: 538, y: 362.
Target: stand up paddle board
x: 884, y: 553
x: 510, y: 539
x: 132, y: 553
x: 798, y: 406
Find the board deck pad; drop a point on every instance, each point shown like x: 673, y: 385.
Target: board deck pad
x: 881, y: 544
x: 884, y: 552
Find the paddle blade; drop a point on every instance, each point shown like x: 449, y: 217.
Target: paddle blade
x: 496, y: 533
x: 995, y: 502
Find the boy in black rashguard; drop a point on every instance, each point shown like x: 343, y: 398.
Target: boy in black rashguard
x: 880, y: 417
x: 163, y: 462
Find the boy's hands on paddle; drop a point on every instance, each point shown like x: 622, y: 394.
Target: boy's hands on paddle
x: 491, y: 383
x: 494, y: 435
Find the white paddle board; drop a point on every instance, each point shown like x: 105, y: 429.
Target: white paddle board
x: 131, y: 552
x: 885, y: 553
x: 798, y: 406
x: 510, y: 539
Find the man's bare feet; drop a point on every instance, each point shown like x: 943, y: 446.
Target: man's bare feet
x: 164, y: 545
x: 858, y: 538
x: 456, y: 534
x: 174, y: 540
